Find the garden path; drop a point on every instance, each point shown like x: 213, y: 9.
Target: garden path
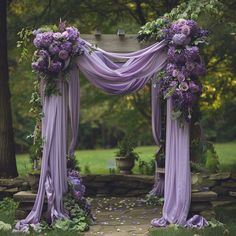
x: 122, y: 216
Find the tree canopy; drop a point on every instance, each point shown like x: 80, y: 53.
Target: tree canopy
x: 105, y: 119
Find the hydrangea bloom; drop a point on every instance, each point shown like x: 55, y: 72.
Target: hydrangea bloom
x: 55, y: 49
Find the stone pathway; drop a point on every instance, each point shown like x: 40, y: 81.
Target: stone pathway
x: 122, y: 217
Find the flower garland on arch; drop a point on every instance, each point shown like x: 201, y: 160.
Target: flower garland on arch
x: 56, y: 47
x: 180, y: 79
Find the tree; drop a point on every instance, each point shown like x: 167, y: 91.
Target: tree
x: 7, y: 146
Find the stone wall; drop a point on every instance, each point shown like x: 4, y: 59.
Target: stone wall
x: 224, y: 184
x: 117, y: 185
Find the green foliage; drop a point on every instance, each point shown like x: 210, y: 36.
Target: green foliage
x: 105, y: 119
x: 8, y: 206
x: 36, y: 111
x: 153, y: 200
x: 73, y: 163
x: 206, y: 158
x: 126, y: 148
x: 192, y: 9
x: 212, y: 159
x: 24, y: 42
x: 79, y: 221
x: 4, y: 226
x: 146, y: 167
x: 87, y: 170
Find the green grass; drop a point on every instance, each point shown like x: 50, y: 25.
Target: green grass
x: 99, y: 160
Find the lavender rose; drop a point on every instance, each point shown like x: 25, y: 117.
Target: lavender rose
x: 63, y: 54
x: 185, y: 30
x: 183, y: 86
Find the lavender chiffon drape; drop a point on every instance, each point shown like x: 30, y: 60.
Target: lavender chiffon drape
x: 114, y: 78
x: 177, y: 194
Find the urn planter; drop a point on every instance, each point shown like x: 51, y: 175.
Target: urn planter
x: 125, y: 165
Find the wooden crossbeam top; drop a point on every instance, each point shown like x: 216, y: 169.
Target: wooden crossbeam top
x: 115, y: 43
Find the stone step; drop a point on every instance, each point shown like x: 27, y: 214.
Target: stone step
x: 25, y: 196
x: 203, y: 196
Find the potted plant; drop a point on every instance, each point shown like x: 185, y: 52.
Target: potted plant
x: 126, y: 156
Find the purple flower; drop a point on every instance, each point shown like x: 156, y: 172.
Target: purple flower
x: 57, y: 36
x: 67, y: 46
x: 63, y: 54
x: 170, y: 67
x: 185, y: 30
x: 47, y: 38
x: 180, y: 77
x: 73, y: 33
x: 62, y: 26
x: 183, y: 86
x: 193, y: 26
x: 54, y: 48
x: 192, y: 53
x: 190, y: 66
x: 199, y: 69
x: 203, y: 33
x: 55, y: 67
x: 42, y: 53
x: 65, y: 35
x: 173, y: 83
x: 175, y: 73
x: 181, y: 22
x: 38, y: 40
x: 194, y: 88
x: 171, y: 53
x: 179, y: 39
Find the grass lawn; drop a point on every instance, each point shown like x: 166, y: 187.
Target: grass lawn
x: 98, y: 161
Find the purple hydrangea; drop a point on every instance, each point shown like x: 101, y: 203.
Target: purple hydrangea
x: 57, y: 36
x: 179, y: 39
x: 54, y: 48
x: 55, y: 67
x: 73, y: 33
x: 43, y: 39
x: 67, y: 46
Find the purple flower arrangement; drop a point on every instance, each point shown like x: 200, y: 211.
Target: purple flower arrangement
x: 56, y: 46
x: 185, y: 65
x: 77, y: 191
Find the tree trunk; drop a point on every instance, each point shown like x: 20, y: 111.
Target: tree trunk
x: 7, y: 146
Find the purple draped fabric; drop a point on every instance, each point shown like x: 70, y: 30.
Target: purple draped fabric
x: 113, y: 78
x: 177, y: 195
x: 53, y: 170
x: 158, y: 188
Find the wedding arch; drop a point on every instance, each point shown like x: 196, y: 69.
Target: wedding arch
x: 171, y: 65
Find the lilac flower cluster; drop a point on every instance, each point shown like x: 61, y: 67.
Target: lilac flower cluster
x: 55, y: 49
x: 180, y: 79
x: 77, y: 190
